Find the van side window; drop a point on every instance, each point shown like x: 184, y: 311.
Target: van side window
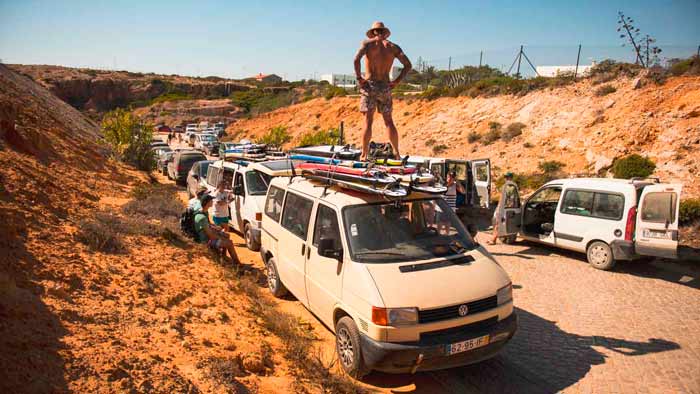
x: 273, y: 204
x: 239, y: 179
x: 296, y: 215
x: 608, y: 206
x: 659, y: 207
x: 227, y: 177
x: 327, y: 227
x: 578, y: 202
x: 212, y: 176
x: 482, y: 175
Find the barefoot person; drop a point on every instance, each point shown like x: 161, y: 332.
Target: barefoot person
x: 375, y: 85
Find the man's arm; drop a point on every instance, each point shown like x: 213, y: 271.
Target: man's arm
x: 358, y: 57
x: 398, y: 52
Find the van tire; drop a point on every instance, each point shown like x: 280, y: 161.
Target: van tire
x: 249, y: 240
x: 274, y: 283
x: 510, y: 239
x: 600, y: 256
x: 348, y: 348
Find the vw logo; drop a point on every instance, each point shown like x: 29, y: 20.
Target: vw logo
x: 463, y: 310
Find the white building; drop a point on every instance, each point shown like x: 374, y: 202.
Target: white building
x: 553, y: 71
x: 342, y: 80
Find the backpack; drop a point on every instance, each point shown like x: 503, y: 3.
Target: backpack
x: 187, y: 223
x: 379, y: 150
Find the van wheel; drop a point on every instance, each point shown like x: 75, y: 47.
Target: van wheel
x: 600, y: 256
x: 250, y: 242
x: 274, y: 283
x: 347, y: 346
x: 509, y: 240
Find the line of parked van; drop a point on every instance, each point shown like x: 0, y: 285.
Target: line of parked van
x: 403, y: 283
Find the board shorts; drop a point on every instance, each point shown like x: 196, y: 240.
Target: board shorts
x: 376, y: 94
x: 214, y: 243
x: 220, y: 220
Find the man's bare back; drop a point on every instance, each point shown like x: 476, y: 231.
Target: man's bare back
x: 375, y: 84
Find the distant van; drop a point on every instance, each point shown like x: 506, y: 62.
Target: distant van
x: 608, y: 219
x: 402, y: 284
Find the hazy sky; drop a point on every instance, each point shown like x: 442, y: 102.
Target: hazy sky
x: 298, y: 38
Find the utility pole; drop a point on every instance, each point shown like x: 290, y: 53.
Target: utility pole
x: 578, y: 57
x: 481, y: 57
x: 449, y: 64
x: 520, y: 57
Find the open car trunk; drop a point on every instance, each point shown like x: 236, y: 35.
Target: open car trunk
x: 656, y: 227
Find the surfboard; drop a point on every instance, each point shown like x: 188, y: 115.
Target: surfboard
x: 326, y: 160
x: 342, y: 152
x: 387, y: 192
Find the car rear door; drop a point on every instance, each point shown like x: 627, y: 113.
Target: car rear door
x: 510, y: 220
x: 293, y: 245
x: 481, y: 174
x: 656, y: 232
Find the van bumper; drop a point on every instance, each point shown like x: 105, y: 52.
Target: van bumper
x: 402, y: 357
x: 623, y: 250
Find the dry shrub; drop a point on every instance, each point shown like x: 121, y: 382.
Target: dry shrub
x: 513, y: 130
x: 605, y: 90
x: 102, y: 233
x: 473, y: 137
x: 154, y: 200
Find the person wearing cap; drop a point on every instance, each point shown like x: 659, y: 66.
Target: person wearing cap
x: 509, y: 199
x: 210, y: 234
x: 375, y: 84
x: 195, y: 203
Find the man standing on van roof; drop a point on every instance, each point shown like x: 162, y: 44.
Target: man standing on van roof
x: 375, y: 85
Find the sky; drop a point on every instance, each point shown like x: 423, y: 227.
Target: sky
x: 303, y: 39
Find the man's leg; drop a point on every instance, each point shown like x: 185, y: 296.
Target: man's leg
x: 393, y: 133
x: 228, y: 245
x: 367, y: 136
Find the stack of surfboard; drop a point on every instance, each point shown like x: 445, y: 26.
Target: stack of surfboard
x: 246, y: 151
x: 339, y: 166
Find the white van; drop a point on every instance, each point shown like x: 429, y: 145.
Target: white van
x: 608, y: 219
x: 403, y: 284
x: 248, y: 182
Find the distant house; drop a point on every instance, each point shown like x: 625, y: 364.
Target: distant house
x: 342, y: 80
x: 267, y: 78
x: 553, y: 71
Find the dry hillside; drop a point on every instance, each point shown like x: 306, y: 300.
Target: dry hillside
x: 569, y: 124
x: 154, y: 314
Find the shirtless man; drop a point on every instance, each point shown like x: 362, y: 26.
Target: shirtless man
x: 375, y: 86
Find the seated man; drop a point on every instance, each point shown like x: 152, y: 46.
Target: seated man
x: 195, y: 203
x: 211, y: 234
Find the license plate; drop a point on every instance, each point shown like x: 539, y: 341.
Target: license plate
x: 467, y: 345
x: 661, y: 234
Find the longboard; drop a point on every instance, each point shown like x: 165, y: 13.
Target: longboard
x: 388, y: 192
x: 369, y: 180
x: 329, y: 151
x: 326, y: 160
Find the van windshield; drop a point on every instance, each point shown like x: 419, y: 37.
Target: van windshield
x: 404, y: 231
x: 257, y: 183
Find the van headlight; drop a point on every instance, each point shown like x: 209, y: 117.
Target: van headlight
x: 505, y: 294
x: 394, y: 316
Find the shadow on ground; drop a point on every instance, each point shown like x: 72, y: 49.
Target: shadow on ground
x: 541, y: 358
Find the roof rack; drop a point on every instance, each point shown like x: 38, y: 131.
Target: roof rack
x: 583, y: 175
x: 641, y: 179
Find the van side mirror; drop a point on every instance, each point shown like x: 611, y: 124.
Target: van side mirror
x: 238, y: 190
x: 473, y: 230
x: 326, y: 249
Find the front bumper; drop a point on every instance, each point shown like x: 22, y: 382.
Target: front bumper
x: 427, y: 355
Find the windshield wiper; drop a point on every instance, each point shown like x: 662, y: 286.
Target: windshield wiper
x: 368, y: 253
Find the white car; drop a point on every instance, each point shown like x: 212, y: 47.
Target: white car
x: 402, y: 284
x: 608, y: 219
x: 249, y: 183
x: 206, y: 143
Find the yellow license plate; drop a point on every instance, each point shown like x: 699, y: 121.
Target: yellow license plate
x: 467, y: 345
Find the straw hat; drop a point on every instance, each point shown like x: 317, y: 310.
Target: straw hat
x: 377, y: 26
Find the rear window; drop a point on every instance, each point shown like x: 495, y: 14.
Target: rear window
x: 593, y: 204
x: 659, y: 207
x: 297, y: 212
x: 273, y: 203
x: 189, y: 160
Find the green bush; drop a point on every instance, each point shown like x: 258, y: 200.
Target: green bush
x: 493, y: 134
x: 129, y: 138
x: 607, y: 70
x: 437, y: 149
x: 321, y: 137
x: 689, y: 66
x: 632, y: 166
x: 277, y: 136
x: 527, y: 145
x: 551, y: 166
x: 689, y: 211
x: 334, y: 91
x: 433, y: 93
x: 513, y: 130
x: 473, y: 137
x: 605, y: 90
x: 257, y: 101
x: 430, y: 142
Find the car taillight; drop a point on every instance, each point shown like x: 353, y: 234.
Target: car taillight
x: 258, y: 216
x: 631, y: 219
x: 379, y: 316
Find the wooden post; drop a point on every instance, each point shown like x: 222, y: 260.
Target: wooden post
x: 481, y: 57
x: 449, y: 64
x: 578, y: 57
x: 341, y: 137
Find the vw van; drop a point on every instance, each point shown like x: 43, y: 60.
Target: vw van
x: 402, y: 283
x: 608, y: 219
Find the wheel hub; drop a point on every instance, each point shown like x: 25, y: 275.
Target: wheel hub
x: 271, y: 276
x: 345, y: 350
x: 599, y: 255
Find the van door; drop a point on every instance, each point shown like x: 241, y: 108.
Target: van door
x: 323, y: 274
x: 293, y: 245
x: 481, y: 173
x: 509, y: 220
x: 238, y: 203
x: 656, y: 232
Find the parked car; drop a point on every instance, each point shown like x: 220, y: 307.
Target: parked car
x: 181, y: 164
x: 197, y: 177
x: 608, y: 219
x: 159, y: 143
x: 163, y: 160
x: 249, y: 185
x: 207, y: 143
x: 159, y: 150
x: 402, y: 284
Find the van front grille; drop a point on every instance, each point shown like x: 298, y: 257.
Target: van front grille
x: 452, y: 312
x: 441, y: 336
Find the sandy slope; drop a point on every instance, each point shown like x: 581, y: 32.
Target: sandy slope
x: 569, y: 124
